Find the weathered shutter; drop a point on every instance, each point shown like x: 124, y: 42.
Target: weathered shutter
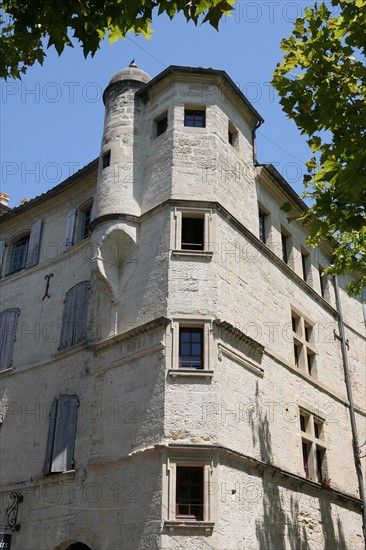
x: 2, y: 252
x: 34, y: 245
x: 8, y: 330
x: 74, y: 319
x: 65, y: 430
x: 80, y: 311
x: 70, y: 227
x: 50, y: 437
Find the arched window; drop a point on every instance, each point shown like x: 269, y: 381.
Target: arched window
x: 23, y: 252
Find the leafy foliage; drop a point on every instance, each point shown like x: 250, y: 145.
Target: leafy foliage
x: 322, y: 85
x: 27, y: 25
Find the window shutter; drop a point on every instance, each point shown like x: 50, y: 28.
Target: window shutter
x: 81, y: 309
x: 8, y: 330
x: 64, y: 435
x: 2, y: 252
x: 70, y: 226
x: 51, y: 433
x: 75, y: 315
x: 34, y: 245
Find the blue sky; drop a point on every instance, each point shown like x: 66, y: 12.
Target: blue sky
x: 52, y: 120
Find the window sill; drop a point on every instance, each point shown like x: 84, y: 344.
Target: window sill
x: 206, y: 254
x: 204, y: 527
x: 194, y: 373
x: 4, y: 372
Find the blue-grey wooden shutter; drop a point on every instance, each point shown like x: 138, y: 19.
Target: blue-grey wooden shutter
x: 34, y: 245
x: 64, y: 436
x: 70, y: 227
x: 8, y: 330
x: 2, y: 252
x: 50, y: 437
x: 74, y: 319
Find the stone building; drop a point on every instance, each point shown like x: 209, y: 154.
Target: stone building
x: 172, y: 373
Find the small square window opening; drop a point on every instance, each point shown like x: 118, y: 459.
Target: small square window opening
x: 194, y: 118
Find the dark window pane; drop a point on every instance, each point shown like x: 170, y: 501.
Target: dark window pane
x: 304, y: 266
x: 284, y: 248
x: 262, y: 227
x: 192, y: 233
x: 189, y: 492
x: 196, y: 119
x: 305, y: 456
x: 302, y: 423
x: 191, y: 348
x: 106, y: 159
x: 86, y: 223
x: 162, y: 126
x: 19, y: 255
x: 319, y: 463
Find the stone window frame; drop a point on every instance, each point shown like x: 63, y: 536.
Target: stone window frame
x: 200, y: 111
x: 315, y: 441
x: 305, y: 351
x: 173, y: 361
x: 208, y: 232
x: 199, y: 458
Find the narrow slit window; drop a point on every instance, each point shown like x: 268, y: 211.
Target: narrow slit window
x: 106, y: 160
x: 262, y: 226
x: 284, y: 244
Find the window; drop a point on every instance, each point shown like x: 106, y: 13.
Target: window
x: 19, y: 255
x: 305, y: 265
x: 303, y: 344
x: 191, y: 348
x: 189, y: 493
x: 74, y: 320
x: 86, y: 219
x: 313, y: 446
x: 161, y: 126
x: 8, y: 330
x: 233, y: 135
x: 24, y: 252
x: 188, y: 490
x: 322, y: 280
x: 262, y: 226
x: 195, y: 118
x: 192, y: 232
x: 106, y: 160
x: 61, y: 435
x: 284, y: 245
x: 77, y: 224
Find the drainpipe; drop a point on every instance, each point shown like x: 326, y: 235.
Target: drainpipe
x: 259, y: 123
x: 351, y: 409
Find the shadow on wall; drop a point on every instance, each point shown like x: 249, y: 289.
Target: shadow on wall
x: 286, y: 523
